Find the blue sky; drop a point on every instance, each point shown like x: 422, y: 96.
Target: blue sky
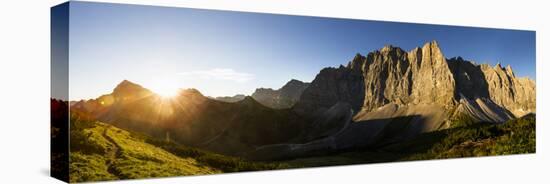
x: 225, y: 53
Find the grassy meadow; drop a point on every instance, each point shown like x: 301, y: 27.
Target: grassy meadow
x: 103, y: 152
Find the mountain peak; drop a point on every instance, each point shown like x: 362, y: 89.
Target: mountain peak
x: 432, y: 43
x: 387, y: 48
x: 191, y: 92
x: 284, y: 97
x: 509, y: 70
x: 432, y: 46
x: 357, y: 61
x: 391, y: 49
x: 125, y: 84
x: 127, y: 88
x: 293, y: 82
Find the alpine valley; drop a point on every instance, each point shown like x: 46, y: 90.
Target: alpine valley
x: 388, y: 105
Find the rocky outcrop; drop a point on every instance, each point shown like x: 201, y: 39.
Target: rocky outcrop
x: 282, y: 98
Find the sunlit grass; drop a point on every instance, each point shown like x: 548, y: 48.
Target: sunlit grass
x: 103, y: 152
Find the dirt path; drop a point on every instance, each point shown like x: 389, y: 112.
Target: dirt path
x: 112, y: 155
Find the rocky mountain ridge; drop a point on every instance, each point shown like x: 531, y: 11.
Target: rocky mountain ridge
x: 282, y: 98
x: 393, y: 95
x: 420, y: 76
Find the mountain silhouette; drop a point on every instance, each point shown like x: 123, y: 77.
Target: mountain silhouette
x: 193, y: 119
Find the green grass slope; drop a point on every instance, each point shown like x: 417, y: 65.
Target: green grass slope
x: 104, y: 152
x: 513, y: 137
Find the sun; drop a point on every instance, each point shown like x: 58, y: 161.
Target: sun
x: 167, y: 93
x: 165, y: 90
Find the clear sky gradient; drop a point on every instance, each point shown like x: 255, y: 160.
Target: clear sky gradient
x: 224, y: 53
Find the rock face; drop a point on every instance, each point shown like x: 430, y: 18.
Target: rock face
x: 282, y: 98
x: 515, y: 94
x: 495, y: 85
x: 421, y: 76
x: 391, y: 75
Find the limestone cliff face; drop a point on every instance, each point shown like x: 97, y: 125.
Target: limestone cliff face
x: 433, y: 82
x: 391, y: 75
x: 497, y: 84
x: 422, y: 76
x: 515, y: 94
